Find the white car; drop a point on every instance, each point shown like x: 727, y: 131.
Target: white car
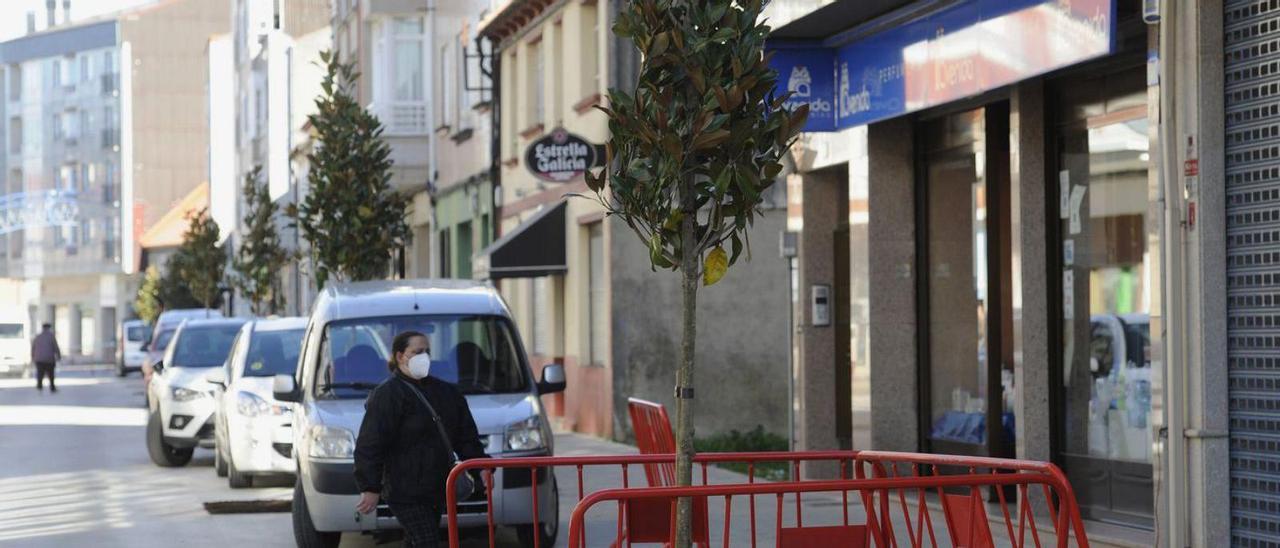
x: 252, y: 433
x: 179, y: 398
x: 129, y: 353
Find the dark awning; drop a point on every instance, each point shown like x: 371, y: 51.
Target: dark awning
x: 532, y: 249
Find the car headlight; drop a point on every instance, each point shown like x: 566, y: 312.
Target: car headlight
x: 252, y: 405
x: 186, y: 394
x: 525, y: 435
x: 329, y: 442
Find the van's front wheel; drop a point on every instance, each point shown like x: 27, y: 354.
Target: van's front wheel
x: 304, y: 530
x: 549, y: 529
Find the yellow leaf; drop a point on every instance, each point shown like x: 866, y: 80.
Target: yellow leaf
x: 715, y: 266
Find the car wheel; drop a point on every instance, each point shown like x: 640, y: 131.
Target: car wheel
x: 304, y: 530
x: 163, y: 454
x: 235, y: 478
x: 549, y: 529
x: 219, y: 463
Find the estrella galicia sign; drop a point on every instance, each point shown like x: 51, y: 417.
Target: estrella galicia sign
x: 561, y: 156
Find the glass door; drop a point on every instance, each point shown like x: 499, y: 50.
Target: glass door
x: 967, y: 319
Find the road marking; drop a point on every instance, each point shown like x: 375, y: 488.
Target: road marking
x: 71, y: 415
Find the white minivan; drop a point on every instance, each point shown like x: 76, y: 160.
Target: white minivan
x: 474, y: 344
x: 15, y: 348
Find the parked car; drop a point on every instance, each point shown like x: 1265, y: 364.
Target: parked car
x: 129, y: 354
x: 162, y: 333
x: 15, y: 348
x: 474, y: 344
x: 252, y: 434
x: 180, y: 400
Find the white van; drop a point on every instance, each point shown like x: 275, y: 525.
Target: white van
x: 134, y: 335
x: 474, y: 345
x: 15, y: 347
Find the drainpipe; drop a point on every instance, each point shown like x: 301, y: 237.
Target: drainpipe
x: 495, y: 135
x: 432, y: 146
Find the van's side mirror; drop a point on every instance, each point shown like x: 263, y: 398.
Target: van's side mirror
x: 285, y: 388
x: 217, y: 376
x: 552, y: 379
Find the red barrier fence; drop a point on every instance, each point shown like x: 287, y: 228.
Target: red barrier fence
x: 906, y: 499
x: 645, y: 523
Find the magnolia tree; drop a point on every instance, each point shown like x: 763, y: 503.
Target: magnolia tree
x: 261, y: 256
x: 691, y: 151
x: 351, y: 218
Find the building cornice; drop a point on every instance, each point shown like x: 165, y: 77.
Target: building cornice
x: 514, y: 17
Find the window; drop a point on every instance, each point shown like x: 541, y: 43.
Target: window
x: 15, y: 82
x: 67, y: 177
x: 476, y: 353
x: 58, y: 132
x: 109, y: 184
x: 510, y: 99
x: 86, y: 122
x: 446, y: 259
x: 407, y: 77
x: 86, y: 68
x: 87, y: 176
x: 57, y: 73
x: 590, y: 51
x: 558, y: 74
x: 535, y: 107
x: 15, y: 135
x: 597, y: 353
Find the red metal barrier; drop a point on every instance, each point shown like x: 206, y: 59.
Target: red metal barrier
x: 964, y: 527
x: 624, y: 534
x: 653, y: 437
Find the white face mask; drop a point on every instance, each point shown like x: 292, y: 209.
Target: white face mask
x: 420, y: 365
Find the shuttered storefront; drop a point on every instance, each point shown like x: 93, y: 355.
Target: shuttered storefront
x: 1252, y: 45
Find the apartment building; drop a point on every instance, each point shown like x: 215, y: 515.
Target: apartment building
x: 102, y: 134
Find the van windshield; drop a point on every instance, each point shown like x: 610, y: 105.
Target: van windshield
x: 478, y: 354
x: 10, y: 331
x: 136, y: 333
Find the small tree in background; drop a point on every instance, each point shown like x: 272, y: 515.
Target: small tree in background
x: 352, y: 218
x: 200, y: 261
x: 690, y: 153
x: 147, y: 303
x: 261, y: 256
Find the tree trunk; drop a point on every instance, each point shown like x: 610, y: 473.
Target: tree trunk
x: 684, y: 372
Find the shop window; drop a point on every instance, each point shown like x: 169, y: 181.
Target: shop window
x: 597, y: 317
x: 1108, y: 285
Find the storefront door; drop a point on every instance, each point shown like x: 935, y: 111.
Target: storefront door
x: 1108, y: 285
x: 966, y: 342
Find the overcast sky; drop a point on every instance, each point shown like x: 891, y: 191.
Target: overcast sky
x: 13, y: 13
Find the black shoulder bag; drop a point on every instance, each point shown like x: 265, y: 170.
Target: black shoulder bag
x: 465, y: 486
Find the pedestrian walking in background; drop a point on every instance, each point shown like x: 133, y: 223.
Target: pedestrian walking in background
x: 46, y: 355
x: 401, y: 456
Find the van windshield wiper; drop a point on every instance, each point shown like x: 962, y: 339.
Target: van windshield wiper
x: 355, y: 385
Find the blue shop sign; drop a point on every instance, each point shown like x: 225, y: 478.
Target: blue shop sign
x: 960, y: 51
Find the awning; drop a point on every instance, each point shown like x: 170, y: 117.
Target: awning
x: 534, y: 248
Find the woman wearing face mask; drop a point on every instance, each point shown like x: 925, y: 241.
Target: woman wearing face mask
x: 399, y: 454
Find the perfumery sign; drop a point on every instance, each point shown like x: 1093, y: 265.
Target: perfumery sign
x: 561, y: 156
x: 965, y: 49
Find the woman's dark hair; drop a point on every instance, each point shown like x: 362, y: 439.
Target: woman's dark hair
x: 399, y: 345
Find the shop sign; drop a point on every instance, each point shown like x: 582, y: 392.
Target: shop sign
x: 963, y: 50
x: 561, y: 156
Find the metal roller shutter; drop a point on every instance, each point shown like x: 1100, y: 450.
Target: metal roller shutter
x: 1252, y: 46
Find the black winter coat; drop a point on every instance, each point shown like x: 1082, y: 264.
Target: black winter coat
x: 398, y: 452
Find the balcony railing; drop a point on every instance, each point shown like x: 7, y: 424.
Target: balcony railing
x: 402, y: 118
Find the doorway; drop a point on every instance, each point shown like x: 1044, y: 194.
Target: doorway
x: 965, y: 298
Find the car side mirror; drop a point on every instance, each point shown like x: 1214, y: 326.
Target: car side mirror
x: 158, y: 367
x: 285, y: 388
x: 145, y: 347
x: 217, y: 376
x: 552, y: 379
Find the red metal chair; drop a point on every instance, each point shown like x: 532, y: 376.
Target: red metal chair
x: 652, y: 520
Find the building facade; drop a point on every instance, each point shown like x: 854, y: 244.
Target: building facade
x: 264, y: 78
x: 580, y: 285
x: 103, y: 133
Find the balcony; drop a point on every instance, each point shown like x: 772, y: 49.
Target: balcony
x: 402, y: 119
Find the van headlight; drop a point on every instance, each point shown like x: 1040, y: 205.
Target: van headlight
x: 331, y: 442
x: 526, y: 435
x: 186, y: 394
